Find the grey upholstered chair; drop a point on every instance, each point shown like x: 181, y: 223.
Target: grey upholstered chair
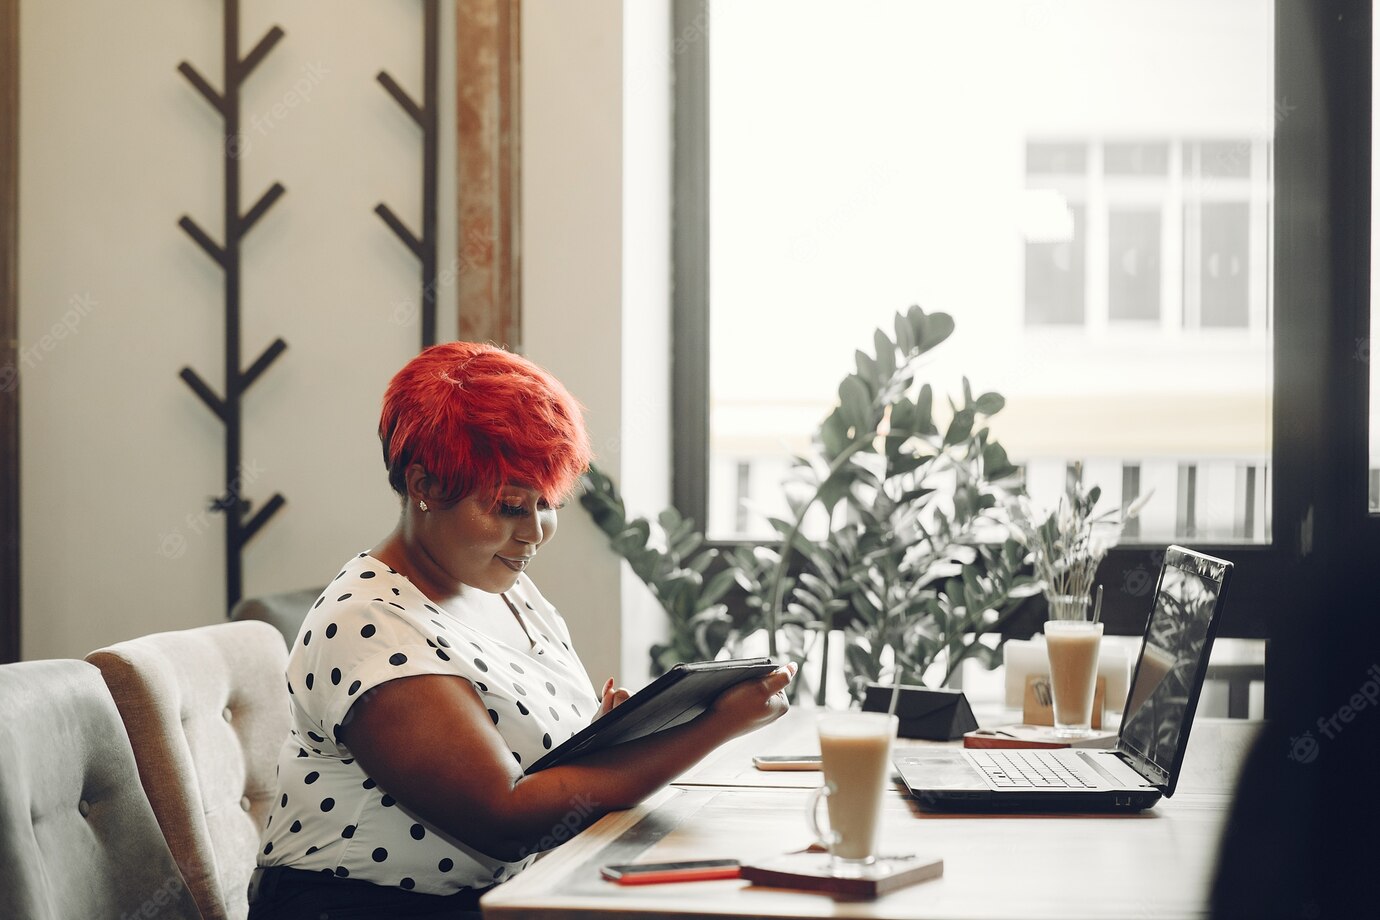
x: 207, y: 711
x: 284, y: 612
x: 77, y: 835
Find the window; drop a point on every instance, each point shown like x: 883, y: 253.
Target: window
x: 1101, y: 227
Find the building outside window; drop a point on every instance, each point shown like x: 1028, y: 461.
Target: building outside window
x: 1085, y: 186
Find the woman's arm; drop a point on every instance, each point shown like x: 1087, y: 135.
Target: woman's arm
x: 430, y: 742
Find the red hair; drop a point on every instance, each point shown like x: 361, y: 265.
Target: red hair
x: 477, y: 417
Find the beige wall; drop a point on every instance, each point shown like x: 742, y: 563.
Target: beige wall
x: 595, y: 286
x: 118, y: 455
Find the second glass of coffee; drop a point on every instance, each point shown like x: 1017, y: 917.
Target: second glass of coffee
x: 1073, y: 646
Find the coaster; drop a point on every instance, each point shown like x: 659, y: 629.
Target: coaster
x: 813, y: 872
x: 1035, y: 736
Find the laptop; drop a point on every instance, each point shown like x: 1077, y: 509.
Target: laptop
x: 1149, y: 754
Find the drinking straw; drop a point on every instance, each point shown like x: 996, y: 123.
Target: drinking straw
x: 1097, y: 604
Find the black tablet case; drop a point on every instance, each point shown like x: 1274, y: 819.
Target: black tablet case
x: 674, y: 698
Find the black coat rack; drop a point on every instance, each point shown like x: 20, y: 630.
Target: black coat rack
x: 240, y: 526
x: 424, y: 115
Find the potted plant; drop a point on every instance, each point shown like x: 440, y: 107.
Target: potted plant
x: 914, y: 559
x: 1067, y: 544
x: 670, y: 557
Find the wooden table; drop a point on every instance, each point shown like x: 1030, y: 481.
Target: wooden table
x: 1158, y: 863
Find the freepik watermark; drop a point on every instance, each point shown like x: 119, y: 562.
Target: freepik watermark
x: 476, y: 249
x: 262, y: 124
x: 154, y: 904
x: 569, y: 824
x: 1235, y: 156
x: 33, y: 355
x: 1139, y: 580
x: 692, y: 32
x: 172, y: 544
x: 1305, y: 748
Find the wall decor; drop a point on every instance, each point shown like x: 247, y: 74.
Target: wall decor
x: 424, y: 114
x: 240, y: 525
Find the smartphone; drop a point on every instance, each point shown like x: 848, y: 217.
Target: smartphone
x: 696, y: 870
x: 787, y: 762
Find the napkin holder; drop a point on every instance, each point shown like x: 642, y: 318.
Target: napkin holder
x: 931, y: 715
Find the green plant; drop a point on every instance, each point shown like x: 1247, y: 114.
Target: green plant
x: 915, y: 558
x: 671, y: 559
x: 897, y: 533
x: 1069, y: 543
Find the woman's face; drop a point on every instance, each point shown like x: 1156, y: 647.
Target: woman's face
x: 486, y: 540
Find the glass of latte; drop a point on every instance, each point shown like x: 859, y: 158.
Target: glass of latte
x: 1073, y: 646
x: 855, y: 748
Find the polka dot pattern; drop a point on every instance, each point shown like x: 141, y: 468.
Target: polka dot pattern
x: 373, y: 626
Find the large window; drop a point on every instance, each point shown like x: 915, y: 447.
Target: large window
x: 1088, y: 187
x: 1085, y: 194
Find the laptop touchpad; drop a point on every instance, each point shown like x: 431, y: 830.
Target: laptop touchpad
x: 938, y: 769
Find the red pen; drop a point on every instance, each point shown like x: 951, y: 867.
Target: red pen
x: 656, y: 873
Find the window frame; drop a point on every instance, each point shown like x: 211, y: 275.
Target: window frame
x: 1318, y: 482
x: 9, y: 331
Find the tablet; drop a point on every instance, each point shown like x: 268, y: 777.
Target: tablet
x: 674, y: 698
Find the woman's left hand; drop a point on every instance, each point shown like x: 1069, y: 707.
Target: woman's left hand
x: 612, y: 696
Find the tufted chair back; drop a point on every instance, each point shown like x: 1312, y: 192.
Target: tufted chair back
x: 77, y: 836
x: 285, y: 612
x: 207, y: 711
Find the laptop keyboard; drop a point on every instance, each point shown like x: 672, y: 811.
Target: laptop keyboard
x: 1017, y: 769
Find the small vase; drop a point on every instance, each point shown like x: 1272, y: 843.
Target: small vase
x: 1068, y: 606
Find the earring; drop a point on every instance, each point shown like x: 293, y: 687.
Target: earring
x: 422, y: 504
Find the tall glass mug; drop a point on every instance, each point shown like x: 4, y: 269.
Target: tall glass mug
x: 1073, y: 646
x: 855, y: 748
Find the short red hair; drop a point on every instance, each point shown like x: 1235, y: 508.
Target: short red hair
x: 477, y: 417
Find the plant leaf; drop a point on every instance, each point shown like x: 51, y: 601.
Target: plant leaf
x: 905, y: 334
x: 857, y: 405
x: 960, y: 427
x: 938, y: 327
x: 886, y: 358
x: 924, y: 412
x: 990, y: 403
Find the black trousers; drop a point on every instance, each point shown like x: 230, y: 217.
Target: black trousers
x: 280, y: 893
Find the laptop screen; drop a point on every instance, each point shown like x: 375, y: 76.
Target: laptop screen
x: 1173, y: 661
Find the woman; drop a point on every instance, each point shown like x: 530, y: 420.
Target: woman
x: 431, y: 669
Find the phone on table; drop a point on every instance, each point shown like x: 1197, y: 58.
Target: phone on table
x: 695, y: 870
x: 787, y: 762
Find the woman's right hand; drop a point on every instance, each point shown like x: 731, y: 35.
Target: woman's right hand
x: 752, y: 704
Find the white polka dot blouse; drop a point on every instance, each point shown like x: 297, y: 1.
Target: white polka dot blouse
x: 371, y: 625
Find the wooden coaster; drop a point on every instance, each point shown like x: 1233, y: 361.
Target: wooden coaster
x: 812, y: 872
x: 1035, y: 736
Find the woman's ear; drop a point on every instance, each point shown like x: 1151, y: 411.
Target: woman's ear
x: 420, y: 484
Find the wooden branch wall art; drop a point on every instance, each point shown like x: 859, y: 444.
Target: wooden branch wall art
x: 240, y: 525
x: 423, y: 247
